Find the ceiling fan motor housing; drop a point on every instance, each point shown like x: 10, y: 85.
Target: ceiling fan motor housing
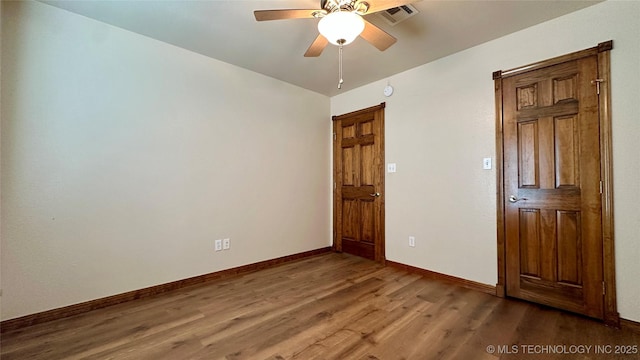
x: 358, y: 6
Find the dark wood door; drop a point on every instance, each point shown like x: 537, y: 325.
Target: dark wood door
x: 358, y: 173
x: 552, y: 187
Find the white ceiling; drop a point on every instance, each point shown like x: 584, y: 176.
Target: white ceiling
x: 227, y: 31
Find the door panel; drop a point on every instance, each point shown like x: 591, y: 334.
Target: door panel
x: 566, y: 136
x: 366, y: 168
x: 530, y: 242
x: 359, y: 183
x: 368, y: 222
x: 528, y: 154
x: 553, y: 234
x: 569, y: 242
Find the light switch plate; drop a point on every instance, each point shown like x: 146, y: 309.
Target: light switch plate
x: 486, y: 163
x: 391, y: 167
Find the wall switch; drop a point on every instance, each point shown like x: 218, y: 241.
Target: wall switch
x: 226, y: 244
x: 486, y: 163
x: 391, y: 167
x: 412, y: 241
x: 218, y: 245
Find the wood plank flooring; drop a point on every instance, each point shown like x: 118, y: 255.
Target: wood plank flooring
x: 332, y: 306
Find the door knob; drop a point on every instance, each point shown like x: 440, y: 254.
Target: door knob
x: 375, y: 194
x: 514, y: 199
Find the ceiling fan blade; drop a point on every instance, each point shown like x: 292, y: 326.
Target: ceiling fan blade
x: 379, y: 5
x: 317, y: 46
x: 377, y: 37
x: 264, y: 15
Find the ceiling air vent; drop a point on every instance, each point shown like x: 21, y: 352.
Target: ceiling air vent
x: 398, y: 14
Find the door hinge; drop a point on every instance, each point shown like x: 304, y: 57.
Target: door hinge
x: 604, y: 288
x: 597, y: 82
x: 601, y: 186
x: 334, y: 136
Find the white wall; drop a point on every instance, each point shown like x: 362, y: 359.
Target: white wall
x: 440, y: 124
x: 123, y: 158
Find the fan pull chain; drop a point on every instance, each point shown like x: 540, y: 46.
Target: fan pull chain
x: 340, y: 81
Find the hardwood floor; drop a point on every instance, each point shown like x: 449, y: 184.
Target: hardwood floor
x: 332, y: 306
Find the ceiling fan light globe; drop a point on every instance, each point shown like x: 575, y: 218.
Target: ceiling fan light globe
x: 341, y: 27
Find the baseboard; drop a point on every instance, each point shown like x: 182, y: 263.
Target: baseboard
x: 497, y: 290
x: 630, y: 325
x: 489, y: 289
x: 59, y: 313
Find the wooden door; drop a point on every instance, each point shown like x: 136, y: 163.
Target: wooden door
x: 358, y: 173
x: 552, y: 186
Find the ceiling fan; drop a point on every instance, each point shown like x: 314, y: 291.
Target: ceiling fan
x: 340, y: 22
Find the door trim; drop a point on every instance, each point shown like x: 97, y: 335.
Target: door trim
x: 380, y: 230
x: 603, y: 52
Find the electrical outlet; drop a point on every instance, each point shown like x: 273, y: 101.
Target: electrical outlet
x: 218, y: 245
x: 226, y: 244
x: 412, y: 241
